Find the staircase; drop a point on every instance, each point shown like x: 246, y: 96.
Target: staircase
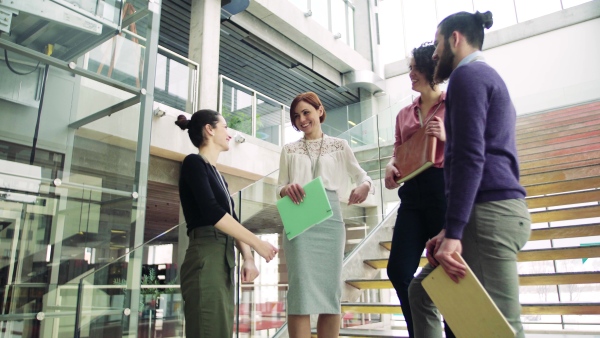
x: 560, y: 169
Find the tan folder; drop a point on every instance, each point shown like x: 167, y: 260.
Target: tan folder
x: 466, y: 306
x: 415, y: 155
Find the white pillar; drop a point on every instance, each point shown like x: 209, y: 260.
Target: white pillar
x: 205, y: 25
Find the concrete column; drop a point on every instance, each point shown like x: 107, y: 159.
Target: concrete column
x: 205, y: 28
x: 365, y: 30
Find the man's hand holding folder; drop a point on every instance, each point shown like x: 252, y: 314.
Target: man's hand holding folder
x: 440, y: 251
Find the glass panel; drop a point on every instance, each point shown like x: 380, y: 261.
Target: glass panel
x: 419, y: 15
x: 160, y: 81
x: 573, y: 3
x: 320, y: 12
x: 531, y: 9
x: 336, y: 121
x: 338, y: 18
x: 445, y: 8
x: 120, y: 58
x: 237, y: 107
x: 262, y: 308
x: 301, y: 4
x: 113, y: 305
x: 502, y: 10
x: 172, y: 84
x: 350, y: 26
x: 291, y: 134
x: 391, y: 31
x: 104, y: 150
x: 268, y: 119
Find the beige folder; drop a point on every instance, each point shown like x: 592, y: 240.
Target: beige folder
x: 466, y: 306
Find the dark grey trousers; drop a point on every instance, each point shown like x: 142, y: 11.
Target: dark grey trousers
x: 496, y: 232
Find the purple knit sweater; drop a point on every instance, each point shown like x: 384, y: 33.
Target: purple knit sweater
x: 481, y: 162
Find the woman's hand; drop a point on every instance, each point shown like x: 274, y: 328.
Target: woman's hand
x: 359, y: 194
x: 436, y: 128
x: 391, y: 176
x: 432, y: 247
x: 294, y: 191
x: 249, y: 271
x: 266, y: 250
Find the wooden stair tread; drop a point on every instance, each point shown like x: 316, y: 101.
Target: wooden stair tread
x: 563, y: 113
x: 568, y: 141
x: 526, y: 140
x: 528, y: 255
x: 356, y: 333
x: 563, y: 199
x: 565, y: 214
x: 561, y: 163
x: 561, y: 278
x: 558, y: 152
x: 527, y: 309
x: 559, y: 253
x: 562, y: 186
x: 561, y: 175
x: 534, y: 128
x: 571, y: 231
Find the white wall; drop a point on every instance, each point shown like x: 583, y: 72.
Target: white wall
x: 550, y: 70
x: 542, y: 72
x: 252, y: 159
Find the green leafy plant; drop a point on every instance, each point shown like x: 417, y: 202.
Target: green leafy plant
x: 149, y: 279
x: 239, y: 120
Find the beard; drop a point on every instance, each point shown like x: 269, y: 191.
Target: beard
x: 443, y: 69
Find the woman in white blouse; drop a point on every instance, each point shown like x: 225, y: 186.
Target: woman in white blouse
x: 314, y: 258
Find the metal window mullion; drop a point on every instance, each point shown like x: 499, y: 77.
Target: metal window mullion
x: 347, y: 22
x: 330, y: 19
x: 220, y: 102
x: 254, y: 113
x: 282, y: 129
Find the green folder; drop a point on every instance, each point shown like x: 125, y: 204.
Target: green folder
x: 315, y: 208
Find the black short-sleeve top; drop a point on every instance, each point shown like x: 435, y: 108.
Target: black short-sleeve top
x: 203, y: 193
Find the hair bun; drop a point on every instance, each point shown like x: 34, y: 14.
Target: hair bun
x: 485, y: 19
x: 182, y: 122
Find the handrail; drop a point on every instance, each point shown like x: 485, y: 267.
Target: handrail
x: 164, y: 232
x: 130, y: 251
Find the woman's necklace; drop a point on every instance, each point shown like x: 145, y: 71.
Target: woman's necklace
x: 314, y: 169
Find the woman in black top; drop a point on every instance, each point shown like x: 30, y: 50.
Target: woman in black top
x: 212, y: 226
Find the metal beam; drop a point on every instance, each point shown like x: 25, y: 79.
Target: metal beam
x: 105, y: 112
x: 64, y: 65
x: 135, y: 17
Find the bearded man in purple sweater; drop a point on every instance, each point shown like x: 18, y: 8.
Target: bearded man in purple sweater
x: 487, y: 220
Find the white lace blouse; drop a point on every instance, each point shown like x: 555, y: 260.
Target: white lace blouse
x: 336, y: 165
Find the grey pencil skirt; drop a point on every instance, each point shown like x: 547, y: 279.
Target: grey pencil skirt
x: 314, y: 262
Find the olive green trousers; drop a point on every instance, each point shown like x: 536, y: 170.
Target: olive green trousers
x: 207, y: 284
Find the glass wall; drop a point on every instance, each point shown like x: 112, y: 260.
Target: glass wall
x: 255, y: 114
x: 335, y: 15
x: 73, y: 158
